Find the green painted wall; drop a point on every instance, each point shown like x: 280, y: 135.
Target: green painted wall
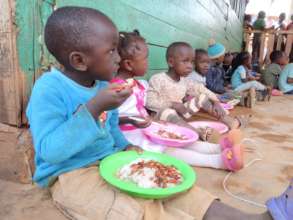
x: 161, y: 22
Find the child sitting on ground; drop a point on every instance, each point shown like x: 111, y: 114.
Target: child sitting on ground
x: 286, y: 79
x: 72, y: 133
x: 243, y: 80
x: 272, y: 71
x: 133, y: 51
x: 216, y: 74
x: 201, y: 67
x: 227, y: 66
x: 175, y: 98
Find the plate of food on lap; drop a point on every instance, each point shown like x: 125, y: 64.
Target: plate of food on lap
x: 147, y: 175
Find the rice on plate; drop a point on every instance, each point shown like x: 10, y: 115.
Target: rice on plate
x: 147, y: 173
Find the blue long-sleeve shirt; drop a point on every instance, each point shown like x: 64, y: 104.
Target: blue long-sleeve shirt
x: 65, y: 135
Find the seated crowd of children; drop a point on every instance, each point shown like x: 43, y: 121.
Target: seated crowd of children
x: 77, y: 118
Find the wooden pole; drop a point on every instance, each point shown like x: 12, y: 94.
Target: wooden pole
x: 262, y: 48
x: 289, y: 44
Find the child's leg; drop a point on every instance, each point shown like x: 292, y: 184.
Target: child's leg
x: 83, y: 195
x: 205, y: 148
x: 232, y: 122
x: 251, y: 84
x: 170, y: 115
x: 208, y: 106
x: 195, y: 158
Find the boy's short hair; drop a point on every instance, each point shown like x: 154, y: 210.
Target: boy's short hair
x: 275, y: 55
x: 200, y: 52
x: 69, y: 28
x: 172, y: 48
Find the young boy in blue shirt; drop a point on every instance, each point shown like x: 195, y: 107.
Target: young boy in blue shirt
x: 74, y: 123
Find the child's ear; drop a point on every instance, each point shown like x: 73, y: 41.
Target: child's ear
x: 78, y: 61
x: 127, y: 64
x: 170, y: 62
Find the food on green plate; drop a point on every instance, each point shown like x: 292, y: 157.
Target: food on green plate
x: 170, y: 135
x: 148, y: 173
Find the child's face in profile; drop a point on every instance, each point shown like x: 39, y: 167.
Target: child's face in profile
x: 228, y: 59
x: 220, y: 59
x: 247, y: 62
x: 202, y: 64
x: 182, y: 61
x: 139, y: 63
x: 103, y: 58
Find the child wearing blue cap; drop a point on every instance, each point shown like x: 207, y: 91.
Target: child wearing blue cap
x: 215, y: 78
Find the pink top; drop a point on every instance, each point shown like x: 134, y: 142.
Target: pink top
x: 134, y: 105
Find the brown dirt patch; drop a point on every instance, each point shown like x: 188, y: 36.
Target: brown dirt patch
x: 287, y: 171
x: 287, y: 148
x: 274, y: 137
x: 283, y: 119
x: 259, y: 125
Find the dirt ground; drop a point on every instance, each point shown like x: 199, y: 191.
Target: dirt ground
x: 271, y: 129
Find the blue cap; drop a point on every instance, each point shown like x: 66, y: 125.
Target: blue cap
x: 216, y: 50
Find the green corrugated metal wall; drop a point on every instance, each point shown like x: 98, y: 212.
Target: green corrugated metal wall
x: 159, y: 21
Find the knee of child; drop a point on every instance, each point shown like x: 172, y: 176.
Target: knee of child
x: 168, y: 113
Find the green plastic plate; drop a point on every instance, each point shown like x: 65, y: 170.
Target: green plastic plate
x: 111, y: 165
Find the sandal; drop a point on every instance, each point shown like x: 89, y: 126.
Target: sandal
x: 231, y: 139
x: 236, y: 122
x: 251, y: 99
x: 269, y: 93
x: 204, y: 133
x: 233, y: 158
x: 208, y: 134
x: 243, y: 98
x: 243, y: 120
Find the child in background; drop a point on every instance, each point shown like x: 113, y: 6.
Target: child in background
x: 133, y: 51
x: 247, y: 27
x: 272, y: 71
x: 243, y: 80
x: 259, y: 24
x: 227, y: 66
x: 201, y: 67
x: 286, y: 79
x: 216, y: 74
x: 175, y: 98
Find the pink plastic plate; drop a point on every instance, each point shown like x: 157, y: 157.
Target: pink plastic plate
x: 151, y: 133
x: 227, y: 106
x: 218, y: 126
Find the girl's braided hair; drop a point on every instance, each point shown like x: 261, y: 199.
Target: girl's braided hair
x: 128, y: 44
